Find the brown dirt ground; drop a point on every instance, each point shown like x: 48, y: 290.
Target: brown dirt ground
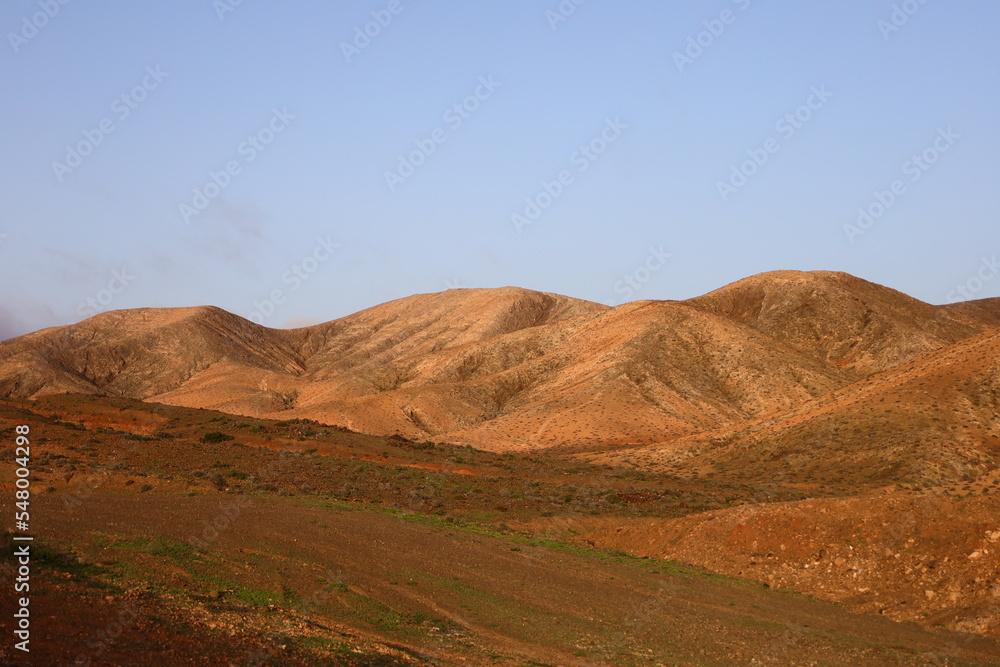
x: 424, y: 592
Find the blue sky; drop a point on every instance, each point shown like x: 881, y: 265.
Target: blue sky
x: 241, y: 155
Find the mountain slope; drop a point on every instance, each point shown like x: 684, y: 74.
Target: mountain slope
x: 932, y: 421
x: 632, y: 374
x: 138, y: 353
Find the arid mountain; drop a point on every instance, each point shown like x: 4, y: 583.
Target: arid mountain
x: 847, y: 322
x: 514, y: 369
x: 139, y: 353
x: 928, y: 422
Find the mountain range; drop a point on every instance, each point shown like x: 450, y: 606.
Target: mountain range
x: 787, y: 370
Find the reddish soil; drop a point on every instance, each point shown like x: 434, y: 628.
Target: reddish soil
x: 411, y: 591
x: 910, y: 557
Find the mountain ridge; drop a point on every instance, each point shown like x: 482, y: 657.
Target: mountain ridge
x: 510, y: 368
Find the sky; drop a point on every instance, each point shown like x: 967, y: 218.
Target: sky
x: 297, y: 162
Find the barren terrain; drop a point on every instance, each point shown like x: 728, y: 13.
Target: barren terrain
x: 295, y: 543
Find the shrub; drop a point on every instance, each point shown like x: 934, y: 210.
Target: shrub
x: 219, y: 481
x: 215, y: 436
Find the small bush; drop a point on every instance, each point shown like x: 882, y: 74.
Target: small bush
x: 215, y: 436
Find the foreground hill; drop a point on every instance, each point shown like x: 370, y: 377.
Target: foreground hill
x: 922, y: 558
x: 510, y: 368
x: 157, y: 540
